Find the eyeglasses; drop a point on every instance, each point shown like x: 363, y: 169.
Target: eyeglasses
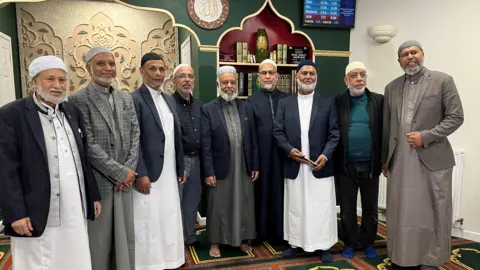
x: 184, y: 76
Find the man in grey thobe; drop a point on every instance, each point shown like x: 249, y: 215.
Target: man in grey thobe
x: 421, y: 108
x: 113, y: 142
x: 230, y: 163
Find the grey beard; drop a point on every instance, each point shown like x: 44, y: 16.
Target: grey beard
x: 356, y: 92
x: 411, y: 72
x: 268, y: 87
x: 103, y: 82
x: 306, y: 87
x: 43, y: 94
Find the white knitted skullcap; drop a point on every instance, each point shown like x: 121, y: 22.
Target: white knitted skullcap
x: 226, y: 69
x: 43, y: 63
x: 96, y: 50
x: 268, y: 61
x: 354, y: 65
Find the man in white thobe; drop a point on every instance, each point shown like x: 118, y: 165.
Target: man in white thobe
x: 47, y: 188
x: 156, y: 202
x: 307, y: 130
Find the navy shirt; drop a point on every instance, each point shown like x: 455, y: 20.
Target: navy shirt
x: 359, y: 142
x: 190, y: 120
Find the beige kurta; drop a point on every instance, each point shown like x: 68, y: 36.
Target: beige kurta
x: 419, y: 201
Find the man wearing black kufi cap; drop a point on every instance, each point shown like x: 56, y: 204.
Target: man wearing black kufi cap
x: 158, y: 218
x: 113, y: 142
x: 421, y: 108
x: 306, y: 128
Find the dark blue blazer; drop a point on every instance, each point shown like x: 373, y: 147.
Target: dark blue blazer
x: 24, y: 174
x: 215, y: 141
x: 152, y: 138
x: 323, y: 135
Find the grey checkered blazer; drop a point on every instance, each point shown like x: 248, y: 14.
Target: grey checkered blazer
x: 108, y: 170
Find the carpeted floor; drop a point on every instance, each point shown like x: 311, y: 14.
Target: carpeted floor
x: 465, y: 255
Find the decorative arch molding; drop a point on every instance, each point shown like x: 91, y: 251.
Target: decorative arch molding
x: 175, y: 24
x: 267, y: 2
x: 168, y: 13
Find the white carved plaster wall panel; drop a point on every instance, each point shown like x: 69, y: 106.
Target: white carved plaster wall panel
x: 66, y: 17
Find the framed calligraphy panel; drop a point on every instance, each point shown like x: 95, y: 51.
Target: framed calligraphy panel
x: 208, y: 14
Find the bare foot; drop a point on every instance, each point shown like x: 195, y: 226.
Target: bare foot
x: 214, y: 251
x: 246, y: 248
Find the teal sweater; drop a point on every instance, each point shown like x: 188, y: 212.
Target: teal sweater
x: 359, y: 142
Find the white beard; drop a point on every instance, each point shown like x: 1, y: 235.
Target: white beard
x: 306, y: 87
x: 356, y: 92
x: 225, y: 96
x: 47, y: 97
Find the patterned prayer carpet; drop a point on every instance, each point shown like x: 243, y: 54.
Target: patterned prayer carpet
x: 465, y: 255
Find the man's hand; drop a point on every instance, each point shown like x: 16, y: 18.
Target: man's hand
x: 321, y: 160
x: 211, y: 181
x: 23, y: 226
x: 120, y: 187
x: 384, y: 170
x: 183, y: 179
x: 128, y: 181
x: 297, y: 155
x: 254, y: 176
x: 143, y: 184
x: 415, y: 139
x: 98, y: 208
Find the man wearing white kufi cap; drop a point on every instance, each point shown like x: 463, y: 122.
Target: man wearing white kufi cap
x: 47, y: 189
x: 113, y: 140
x: 358, y: 159
x: 230, y: 165
x: 269, y: 187
x: 422, y: 108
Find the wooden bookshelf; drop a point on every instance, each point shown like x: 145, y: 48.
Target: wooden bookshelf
x: 253, y: 64
x: 279, y: 31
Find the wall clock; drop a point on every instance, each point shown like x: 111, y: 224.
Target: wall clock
x: 208, y: 14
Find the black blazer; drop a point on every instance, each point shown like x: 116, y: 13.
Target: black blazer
x: 152, y: 138
x: 323, y: 134
x: 215, y: 141
x: 24, y: 175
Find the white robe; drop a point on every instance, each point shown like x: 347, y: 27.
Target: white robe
x: 310, y: 218
x: 65, y: 246
x: 158, y: 218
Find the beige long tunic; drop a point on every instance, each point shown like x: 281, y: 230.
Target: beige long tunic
x: 419, y: 201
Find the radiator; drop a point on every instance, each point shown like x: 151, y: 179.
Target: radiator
x: 457, y: 177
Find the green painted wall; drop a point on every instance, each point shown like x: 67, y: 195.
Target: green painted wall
x: 331, y: 69
x: 183, y: 34
x: 8, y: 26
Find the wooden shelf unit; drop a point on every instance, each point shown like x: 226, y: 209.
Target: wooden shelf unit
x: 279, y: 31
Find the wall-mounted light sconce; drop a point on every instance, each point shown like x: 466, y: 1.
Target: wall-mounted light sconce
x: 382, y: 33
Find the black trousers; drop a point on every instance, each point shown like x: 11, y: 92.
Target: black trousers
x: 357, y: 175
